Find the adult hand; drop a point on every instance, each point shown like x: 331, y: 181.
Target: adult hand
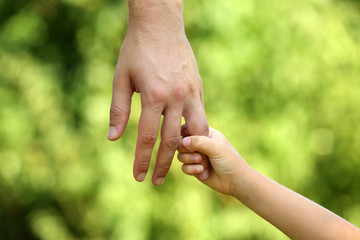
x: 157, y: 61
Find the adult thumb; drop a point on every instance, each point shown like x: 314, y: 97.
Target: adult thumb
x: 120, y: 106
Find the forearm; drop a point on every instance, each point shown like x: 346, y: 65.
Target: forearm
x: 156, y: 15
x: 294, y: 215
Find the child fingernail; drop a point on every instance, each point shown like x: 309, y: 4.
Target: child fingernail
x: 205, y: 174
x: 200, y: 168
x: 197, y: 158
x: 186, y: 142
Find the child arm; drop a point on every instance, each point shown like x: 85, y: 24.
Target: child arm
x: 293, y: 214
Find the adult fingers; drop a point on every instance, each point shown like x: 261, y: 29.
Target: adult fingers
x: 196, y: 122
x: 147, y: 134
x: 189, y: 158
x: 184, y: 131
x: 170, y: 139
x: 192, y: 169
x: 120, y: 105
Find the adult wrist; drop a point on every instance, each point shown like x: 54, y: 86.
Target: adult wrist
x: 156, y: 15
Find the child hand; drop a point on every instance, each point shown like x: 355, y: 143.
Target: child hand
x: 226, y: 164
x: 228, y: 173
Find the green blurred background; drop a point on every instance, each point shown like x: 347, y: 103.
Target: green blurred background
x: 281, y: 80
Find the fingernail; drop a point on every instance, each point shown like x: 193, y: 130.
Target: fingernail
x: 197, y: 159
x: 205, y: 174
x: 200, y: 168
x: 112, y: 133
x: 186, y: 142
x: 159, y: 181
x: 141, y: 176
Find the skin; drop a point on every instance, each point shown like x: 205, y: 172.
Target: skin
x: 156, y: 60
x: 293, y: 214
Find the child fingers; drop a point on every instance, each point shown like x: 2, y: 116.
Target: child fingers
x: 206, y: 164
x: 190, y: 158
x: 183, y: 149
x: 192, y: 169
x: 199, y: 144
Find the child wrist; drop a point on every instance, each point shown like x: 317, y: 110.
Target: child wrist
x: 241, y: 185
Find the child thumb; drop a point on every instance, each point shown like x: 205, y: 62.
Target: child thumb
x: 200, y: 144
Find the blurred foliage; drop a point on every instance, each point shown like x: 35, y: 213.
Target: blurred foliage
x: 281, y: 81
